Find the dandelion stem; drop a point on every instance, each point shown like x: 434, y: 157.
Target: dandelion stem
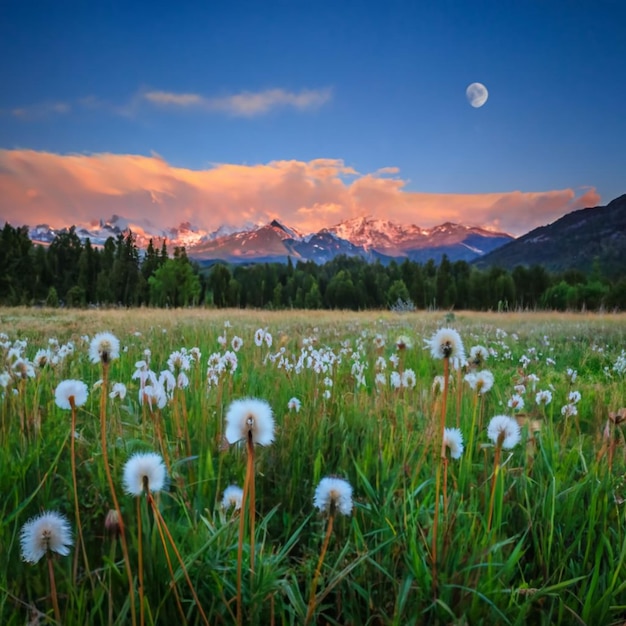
x: 140, y: 561
x: 116, y: 504
x: 53, y: 588
x: 160, y: 520
x: 494, y: 478
x: 442, y: 427
x: 318, y: 569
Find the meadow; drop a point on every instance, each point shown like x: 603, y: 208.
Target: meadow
x: 510, y: 521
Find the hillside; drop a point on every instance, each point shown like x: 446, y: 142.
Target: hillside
x: 575, y: 241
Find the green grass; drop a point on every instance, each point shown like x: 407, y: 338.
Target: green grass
x: 556, y: 552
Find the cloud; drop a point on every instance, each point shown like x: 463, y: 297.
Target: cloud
x: 43, y: 187
x: 41, y: 111
x: 245, y: 104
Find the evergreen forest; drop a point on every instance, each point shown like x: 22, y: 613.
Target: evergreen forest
x: 73, y: 273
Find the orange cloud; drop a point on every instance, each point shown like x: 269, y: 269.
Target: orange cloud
x: 42, y: 187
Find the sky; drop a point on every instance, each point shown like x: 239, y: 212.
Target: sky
x: 229, y: 112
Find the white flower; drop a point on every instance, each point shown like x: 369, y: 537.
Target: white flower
x: 178, y: 361
x: 481, y: 382
x: 403, y: 343
x: 118, y: 391
x: 233, y: 496
x: 395, y: 380
x: 236, y: 343
x: 569, y: 410
x: 571, y: 374
x: 48, y: 531
x: 408, y: 378
x: 478, y: 355
x: 250, y: 418
x: 142, y: 468
x: 258, y: 337
x: 573, y: 397
x: 516, y: 402
x: 506, y: 429
x: 268, y: 340
x: 380, y: 379
x: 71, y: 391
x: 453, y: 439
x: 333, y: 493
x: 446, y: 344
x: 294, y: 405
x: 104, y: 347
x: 23, y: 369
x: 42, y: 358
x: 543, y: 397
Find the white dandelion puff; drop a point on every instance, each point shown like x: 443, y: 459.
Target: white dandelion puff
x: 250, y: 417
x: 333, y: 493
x: 144, y: 469
x: 48, y: 531
x: 69, y: 391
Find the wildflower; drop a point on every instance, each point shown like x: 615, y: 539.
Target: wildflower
x: 178, y: 361
x: 48, y: 531
x: 294, y: 405
x: 379, y: 342
x: 505, y: 429
x: 333, y: 494
x: 481, y: 382
x: 516, y: 402
x: 446, y: 344
x: 104, y: 347
x: 573, y: 397
x: 394, y: 360
x: 250, y: 418
x: 42, y: 358
x: 520, y: 389
x: 543, y: 397
x: 144, y: 470
x: 258, y: 337
x: 408, y: 378
x: 453, y: 439
x: 112, y: 523
x: 438, y: 384
x: 477, y: 356
x: 268, y: 340
x: 118, y: 391
x: 395, y: 380
x: 380, y: 379
x: 236, y: 343
x: 70, y: 392
x: 569, y: 410
x: 233, y: 496
x: 571, y: 374
x: 23, y: 369
x: 403, y: 343
x: 381, y: 364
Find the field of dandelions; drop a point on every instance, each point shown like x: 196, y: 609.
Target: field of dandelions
x: 202, y: 467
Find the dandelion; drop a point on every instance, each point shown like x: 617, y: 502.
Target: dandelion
x: 118, y: 390
x: 403, y: 343
x: 477, y: 356
x: 573, y: 397
x: 453, y: 440
x: 144, y: 471
x: 569, y: 410
x: 446, y: 343
x: 233, y: 497
x: 505, y: 433
x: 379, y: 342
x: 409, y: 379
x: 294, y: 405
x: 71, y: 392
x: 23, y: 368
x: 104, y: 347
x: 571, y: 374
x: 258, y: 337
x: 268, y: 339
x: 236, y: 343
x: 332, y: 495
x: 395, y: 380
x: 49, y: 531
x: 543, y: 397
x: 505, y: 429
x: 516, y: 402
x: 250, y: 418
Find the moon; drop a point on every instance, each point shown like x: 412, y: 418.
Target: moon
x: 477, y: 94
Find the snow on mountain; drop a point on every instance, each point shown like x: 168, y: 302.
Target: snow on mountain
x: 362, y: 236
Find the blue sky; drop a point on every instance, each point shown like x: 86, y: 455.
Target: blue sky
x: 312, y: 112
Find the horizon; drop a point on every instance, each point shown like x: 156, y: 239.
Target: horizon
x: 312, y: 114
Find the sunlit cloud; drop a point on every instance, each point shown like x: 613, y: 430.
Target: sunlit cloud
x: 43, y: 187
x: 245, y: 104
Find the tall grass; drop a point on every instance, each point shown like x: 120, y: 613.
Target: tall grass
x: 541, y: 541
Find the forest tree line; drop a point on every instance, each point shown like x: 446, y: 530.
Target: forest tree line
x: 73, y: 273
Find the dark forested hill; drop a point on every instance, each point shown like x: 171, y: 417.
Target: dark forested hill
x: 576, y: 241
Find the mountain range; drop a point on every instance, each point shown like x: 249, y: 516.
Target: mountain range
x: 366, y: 237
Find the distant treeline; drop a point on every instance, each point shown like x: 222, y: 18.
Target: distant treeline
x: 71, y: 273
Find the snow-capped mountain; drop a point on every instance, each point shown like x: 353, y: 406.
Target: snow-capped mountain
x: 366, y: 237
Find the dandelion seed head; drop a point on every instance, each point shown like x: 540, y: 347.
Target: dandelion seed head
x: 505, y: 429
x: 69, y: 391
x: 233, y: 497
x: 48, y: 531
x: 250, y: 417
x: 104, y: 347
x: 446, y: 343
x: 453, y: 440
x: 333, y: 492
x: 141, y: 469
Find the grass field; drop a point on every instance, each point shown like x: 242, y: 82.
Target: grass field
x: 513, y: 527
